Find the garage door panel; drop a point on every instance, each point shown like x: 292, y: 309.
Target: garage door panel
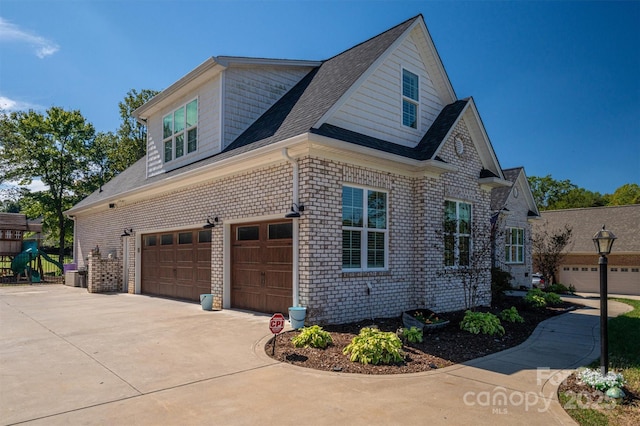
x: 175, y: 265
x: 278, y: 280
x: 262, y: 264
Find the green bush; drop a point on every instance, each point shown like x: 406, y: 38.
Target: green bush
x: 557, y: 288
x: 411, y: 335
x: 539, y: 299
x: 478, y: 322
x: 552, y: 299
x: 511, y: 315
x: 373, y: 346
x: 535, y: 298
x: 313, y: 336
x: 500, y: 282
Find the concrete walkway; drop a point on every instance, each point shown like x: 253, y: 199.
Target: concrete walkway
x: 70, y: 357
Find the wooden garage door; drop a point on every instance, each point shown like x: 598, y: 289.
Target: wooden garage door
x: 177, y: 264
x: 261, y: 271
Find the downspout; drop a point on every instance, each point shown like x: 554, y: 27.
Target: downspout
x: 296, y: 241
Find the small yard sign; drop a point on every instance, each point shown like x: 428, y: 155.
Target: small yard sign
x: 276, y: 324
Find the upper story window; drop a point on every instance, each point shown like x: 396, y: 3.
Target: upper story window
x: 180, y: 131
x: 410, y: 99
x: 365, y: 242
x: 514, y: 245
x: 457, y: 233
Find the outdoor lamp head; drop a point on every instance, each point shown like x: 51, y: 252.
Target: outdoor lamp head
x: 603, y: 241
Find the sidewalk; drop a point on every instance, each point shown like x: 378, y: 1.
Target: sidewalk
x: 124, y: 359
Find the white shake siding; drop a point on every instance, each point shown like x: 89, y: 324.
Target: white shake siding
x: 249, y: 92
x: 375, y: 108
x: 208, y: 95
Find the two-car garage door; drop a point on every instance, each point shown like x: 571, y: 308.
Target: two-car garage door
x: 178, y: 264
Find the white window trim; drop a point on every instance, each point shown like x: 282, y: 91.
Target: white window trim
x: 364, y: 229
x: 413, y: 101
x: 507, y: 247
x: 457, y: 234
x: 185, y: 131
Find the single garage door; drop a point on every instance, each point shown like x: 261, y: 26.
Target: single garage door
x: 261, y: 271
x: 177, y: 264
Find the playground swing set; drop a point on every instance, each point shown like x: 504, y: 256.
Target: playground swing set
x: 21, y: 258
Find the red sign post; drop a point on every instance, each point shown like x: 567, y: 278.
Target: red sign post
x: 276, y: 325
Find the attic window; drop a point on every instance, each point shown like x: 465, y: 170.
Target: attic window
x: 180, y: 128
x: 410, y: 99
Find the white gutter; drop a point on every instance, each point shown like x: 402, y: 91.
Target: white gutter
x: 295, y: 225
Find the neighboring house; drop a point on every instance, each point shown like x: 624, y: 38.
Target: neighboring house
x: 514, y: 209
x: 322, y: 184
x: 580, y: 266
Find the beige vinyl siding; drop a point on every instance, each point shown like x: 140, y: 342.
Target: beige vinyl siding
x: 208, y: 96
x: 375, y: 108
x: 249, y: 92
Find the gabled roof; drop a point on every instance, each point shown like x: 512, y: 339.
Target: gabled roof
x: 518, y: 178
x: 302, y: 107
x: 623, y: 221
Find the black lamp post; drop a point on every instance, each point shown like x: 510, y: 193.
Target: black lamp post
x: 604, y: 241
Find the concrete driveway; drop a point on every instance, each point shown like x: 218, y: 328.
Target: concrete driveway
x: 70, y: 357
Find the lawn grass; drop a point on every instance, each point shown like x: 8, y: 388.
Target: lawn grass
x: 624, y: 357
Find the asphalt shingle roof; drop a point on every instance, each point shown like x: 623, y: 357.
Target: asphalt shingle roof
x: 499, y: 196
x: 298, y: 111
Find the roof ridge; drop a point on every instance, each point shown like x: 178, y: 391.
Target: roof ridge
x: 375, y: 36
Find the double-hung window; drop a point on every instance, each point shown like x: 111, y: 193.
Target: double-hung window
x: 180, y: 131
x: 410, y: 99
x: 457, y: 233
x: 364, y: 229
x: 514, y: 245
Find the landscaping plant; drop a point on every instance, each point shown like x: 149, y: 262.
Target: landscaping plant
x: 536, y: 298
x: 411, y: 335
x: 373, y: 346
x: 478, y: 322
x: 511, y: 315
x: 596, y: 380
x: 313, y: 336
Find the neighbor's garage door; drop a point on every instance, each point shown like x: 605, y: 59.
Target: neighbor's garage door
x: 177, y: 264
x: 620, y: 279
x: 261, y: 271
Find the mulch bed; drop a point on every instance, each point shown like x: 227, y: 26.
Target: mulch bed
x: 582, y: 396
x: 440, y: 348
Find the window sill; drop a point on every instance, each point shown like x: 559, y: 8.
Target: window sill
x: 355, y: 274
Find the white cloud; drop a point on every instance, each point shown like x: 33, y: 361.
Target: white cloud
x: 36, y: 185
x: 13, y: 33
x: 7, y: 104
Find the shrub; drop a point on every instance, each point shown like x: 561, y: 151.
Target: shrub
x: 511, y: 315
x: 552, y: 299
x: 500, y: 282
x: 478, y: 322
x: 313, y: 336
x: 596, y: 380
x: 535, y: 298
x: 375, y: 347
x: 411, y: 335
x: 557, y: 288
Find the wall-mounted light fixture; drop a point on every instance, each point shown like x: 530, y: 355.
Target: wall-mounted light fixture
x: 211, y: 222
x: 295, y: 211
x: 127, y: 232
x: 112, y: 205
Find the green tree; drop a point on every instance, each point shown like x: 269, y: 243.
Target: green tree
x: 548, y: 191
x: 54, y: 147
x: 578, y: 198
x: 626, y: 194
x: 132, y: 134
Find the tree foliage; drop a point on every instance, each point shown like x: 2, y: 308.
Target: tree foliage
x: 132, y: 135
x: 551, y: 194
x: 54, y: 147
x: 549, y: 247
x: 627, y: 194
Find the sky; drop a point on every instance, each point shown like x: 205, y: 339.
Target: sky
x: 557, y: 83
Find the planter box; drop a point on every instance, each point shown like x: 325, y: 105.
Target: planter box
x: 409, y: 320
